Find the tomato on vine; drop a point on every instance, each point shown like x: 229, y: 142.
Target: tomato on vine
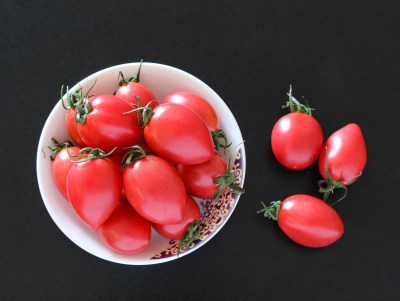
x: 297, y: 137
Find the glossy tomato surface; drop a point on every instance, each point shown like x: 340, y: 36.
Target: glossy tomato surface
x: 72, y: 128
x: 197, y: 104
x: 61, y: 166
x: 297, y: 140
x: 125, y: 231
x: 198, y: 178
x: 309, y: 221
x: 131, y: 91
x: 346, y: 154
x: 179, y: 135
x: 94, y: 189
x: 155, y: 190
x: 176, y: 231
x: 106, y: 125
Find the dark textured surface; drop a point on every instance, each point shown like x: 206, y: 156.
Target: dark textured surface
x: 343, y: 56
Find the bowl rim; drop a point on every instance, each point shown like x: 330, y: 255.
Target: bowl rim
x: 42, y: 143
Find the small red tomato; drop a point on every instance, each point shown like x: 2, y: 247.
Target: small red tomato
x: 307, y: 220
x: 125, y: 231
x: 199, y: 178
x: 297, y: 137
x: 106, y: 126
x: 131, y: 92
x: 61, y: 166
x: 94, y: 189
x: 345, y: 153
x: 179, y: 135
x: 155, y: 190
x: 72, y: 128
x: 176, y: 231
x: 197, y: 104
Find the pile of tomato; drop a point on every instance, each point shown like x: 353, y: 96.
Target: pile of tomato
x: 138, y: 163
x: 297, y: 142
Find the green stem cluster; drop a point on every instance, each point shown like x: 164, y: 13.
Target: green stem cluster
x: 89, y: 153
x: 192, y: 233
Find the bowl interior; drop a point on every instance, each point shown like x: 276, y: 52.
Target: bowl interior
x: 161, y: 80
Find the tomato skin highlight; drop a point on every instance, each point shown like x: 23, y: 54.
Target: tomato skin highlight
x: 94, y: 189
x: 197, y: 104
x: 178, y: 134
x: 130, y: 90
x: 176, y: 231
x: 155, y: 190
x: 125, y: 231
x: 297, y: 140
x: 198, y: 178
x: 61, y: 166
x: 309, y: 221
x: 346, y: 154
x: 72, y: 128
x: 106, y: 125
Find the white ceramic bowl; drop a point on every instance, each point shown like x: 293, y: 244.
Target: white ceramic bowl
x: 161, y: 80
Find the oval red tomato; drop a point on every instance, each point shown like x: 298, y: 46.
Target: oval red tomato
x: 106, y: 126
x: 61, y: 166
x: 346, y: 154
x: 155, y: 190
x: 309, y: 221
x: 125, y: 231
x: 197, y: 104
x: 199, y: 178
x: 179, y: 135
x: 94, y: 189
x: 297, y: 140
x: 176, y: 231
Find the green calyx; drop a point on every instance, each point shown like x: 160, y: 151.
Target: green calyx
x: 328, y: 186
x: 83, y: 106
x: 192, y: 233
x: 136, y: 153
x: 73, y: 98
x: 134, y: 79
x: 89, y: 153
x: 216, y: 136
x: 57, y: 147
x: 296, y: 106
x: 227, y: 180
x: 271, y: 211
x: 144, y: 113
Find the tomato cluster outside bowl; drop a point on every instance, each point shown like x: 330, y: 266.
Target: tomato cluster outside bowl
x: 161, y: 80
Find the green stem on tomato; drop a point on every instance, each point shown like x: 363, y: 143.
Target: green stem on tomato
x: 192, y: 233
x: 329, y: 185
x: 228, y: 179
x: 90, y: 153
x: 296, y: 106
x: 271, y: 211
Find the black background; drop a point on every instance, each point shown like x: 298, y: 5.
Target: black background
x: 343, y: 56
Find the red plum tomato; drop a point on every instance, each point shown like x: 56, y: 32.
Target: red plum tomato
x: 197, y: 104
x: 94, y: 189
x: 198, y: 178
x: 131, y: 91
x: 106, y: 126
x: 309, y: 221
x: 297, y: 140
x: 176, y: 231
x: 177, y: 134
x: 346, y: 154
x: 155, y: 190
x: 125, y: 231
x: 61, y: 166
